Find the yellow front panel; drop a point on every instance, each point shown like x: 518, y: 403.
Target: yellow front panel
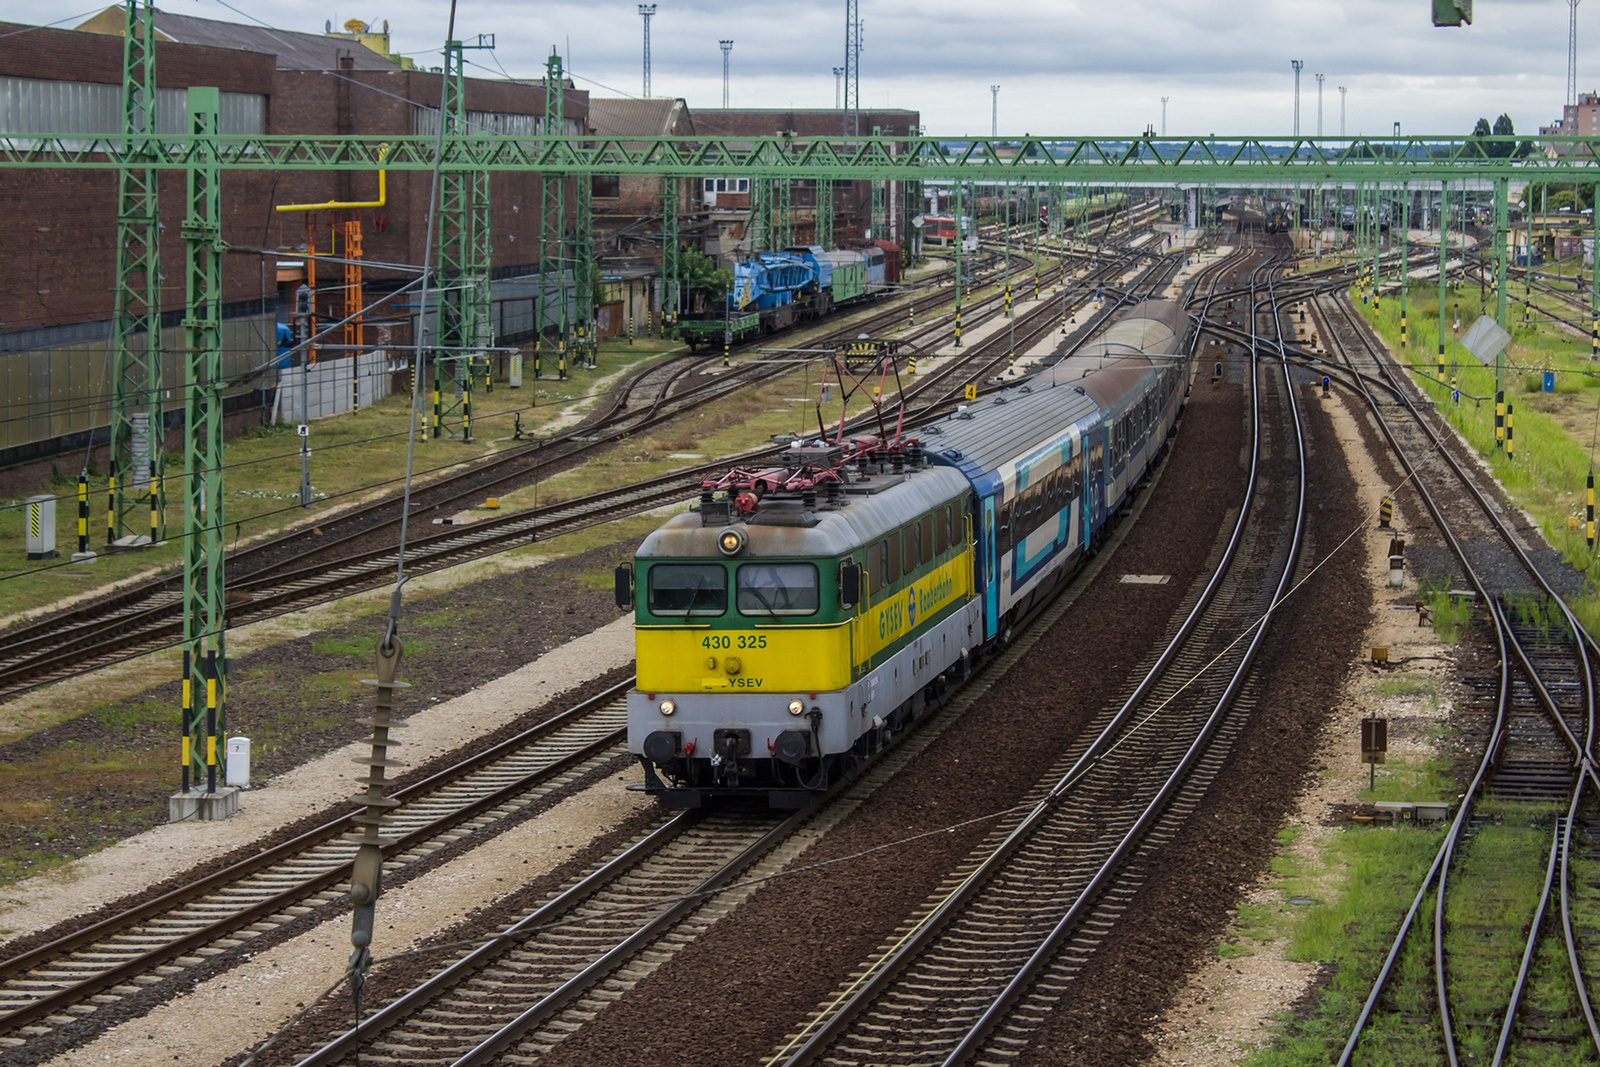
x: 675, y: 659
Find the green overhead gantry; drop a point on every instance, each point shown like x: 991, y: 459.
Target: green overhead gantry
x: 1227, y: 161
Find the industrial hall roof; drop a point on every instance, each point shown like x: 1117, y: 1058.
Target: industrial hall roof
x: 294, y: 50
x: 626, y: 117
x: 817, y: 122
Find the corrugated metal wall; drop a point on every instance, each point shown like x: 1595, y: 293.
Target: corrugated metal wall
x: 52, y: 392
x: 498, y: 123
x: 93, y: 109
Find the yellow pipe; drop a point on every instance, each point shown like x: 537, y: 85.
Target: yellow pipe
x: 351, y: 205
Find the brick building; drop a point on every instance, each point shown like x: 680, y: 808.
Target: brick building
x: 628, y: 207
x: 729, y: 198
x: 55, y: 315
x: 1577, y: 120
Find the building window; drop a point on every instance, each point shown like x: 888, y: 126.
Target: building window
x: 606, y: 186
x: 711, y: 185
x: 744, y: 185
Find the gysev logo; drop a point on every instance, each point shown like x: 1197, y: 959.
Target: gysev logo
x: 926, y: 596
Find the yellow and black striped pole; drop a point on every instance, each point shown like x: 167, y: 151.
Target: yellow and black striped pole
x: 155, y: 506
x: 1511, y: 431
x: 1385, y: 512
x: 84, y: 512
x: 1588, y: 521
x: 911, y: 367
x: 561, y: 359
x: 438, y: 400
x: 211, y: 722
x: 1500, y: 417
x: 1402, y: 328
x: 466, y: 406
x: 1594, y: 338
x: 111, y: 510
x: 958, y: 327
x: 183, y: 723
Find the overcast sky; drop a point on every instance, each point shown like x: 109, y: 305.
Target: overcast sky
x: 1064, y: 66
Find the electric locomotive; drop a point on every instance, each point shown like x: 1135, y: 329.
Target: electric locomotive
x: 804, y: 613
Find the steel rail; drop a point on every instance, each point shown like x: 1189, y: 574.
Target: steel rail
x: 969, y: 1045
x: 1507, y: 648
x: 120, y: 973
x: 820, y: 1034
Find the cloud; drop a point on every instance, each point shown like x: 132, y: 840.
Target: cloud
x: 1064, y: 66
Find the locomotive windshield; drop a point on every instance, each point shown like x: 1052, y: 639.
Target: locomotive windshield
x: 778, y: 589
x: 688, y: 589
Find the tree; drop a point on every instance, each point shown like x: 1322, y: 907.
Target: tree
x: 703, y: 273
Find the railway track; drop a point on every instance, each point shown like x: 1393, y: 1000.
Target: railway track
x: 516, y: 998
x: 306, y: 566
x: 57, y: 986
x: 1003, y: 940
x: 1535, y: 757
x: 143, y: 950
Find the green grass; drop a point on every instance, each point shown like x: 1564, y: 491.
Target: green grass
x: 351, y: 453
x: 1451, y: 614
x: 1555, y: 433
x: 1407, y: 685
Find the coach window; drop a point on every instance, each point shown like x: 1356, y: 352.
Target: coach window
x: 688, y: 589
x: 778, y: 589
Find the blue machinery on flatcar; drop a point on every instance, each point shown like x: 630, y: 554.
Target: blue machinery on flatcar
x: 805, y: 613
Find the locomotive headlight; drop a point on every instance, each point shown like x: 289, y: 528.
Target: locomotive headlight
x: 796, y: 707
x: 668, y: 707
x: 730, y: 541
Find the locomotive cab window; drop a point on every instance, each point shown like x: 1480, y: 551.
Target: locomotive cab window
x: 688, y: 589
x: 778, y: 589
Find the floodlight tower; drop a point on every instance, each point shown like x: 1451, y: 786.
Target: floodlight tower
x: 1572, y: 51
x: 994, y: 111
x: 1319, y: 103
x: 1164, y: 100
x: 1296, y: 64
x: 852, y: 67
x: 647, y: 12
x: 727, y: 46
x: 838, y: 81
x: 1342, y: 91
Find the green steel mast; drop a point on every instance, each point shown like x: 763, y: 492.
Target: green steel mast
x: 552, y: 217
x: 203, y: 580
x: 671, y: 255
x: 137, y: 450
